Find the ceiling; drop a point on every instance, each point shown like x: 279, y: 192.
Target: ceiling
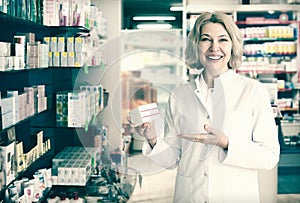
x: 149, y: 8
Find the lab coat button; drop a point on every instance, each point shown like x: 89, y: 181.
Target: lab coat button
x: 207, y: 117
x: 205, y: 174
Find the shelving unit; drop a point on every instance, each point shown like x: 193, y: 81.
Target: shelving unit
x: 55, y: 79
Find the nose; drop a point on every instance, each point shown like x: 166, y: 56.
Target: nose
x: 214, y: 46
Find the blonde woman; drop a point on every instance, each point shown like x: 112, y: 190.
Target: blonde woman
x: 219, y: 128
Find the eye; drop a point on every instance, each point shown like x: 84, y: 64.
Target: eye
x: 205, y: 39
x: 223, y: 40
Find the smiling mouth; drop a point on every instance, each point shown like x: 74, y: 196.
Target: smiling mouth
x: 215, y: 57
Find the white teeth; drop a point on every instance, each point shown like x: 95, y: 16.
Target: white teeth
x: 214, y: 57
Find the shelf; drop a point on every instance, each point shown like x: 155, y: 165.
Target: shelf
x: 288, y: 109
x: 266, y: 22
x: 265, y: 71
x: 268, y: 39
x: 14, y: 25
x: 22, y: 121
x: 271, y: 55
x: 23, y: 173
x: 285, y: 90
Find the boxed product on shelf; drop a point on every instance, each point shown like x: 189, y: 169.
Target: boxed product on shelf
x: 70, y: 44
x: 64, y: 59
x: 7, y: 153
x: 15, y: 109
x: 20, y: 161
x: 71, y: 59
x: 61, y: 44
x: 72, y: 166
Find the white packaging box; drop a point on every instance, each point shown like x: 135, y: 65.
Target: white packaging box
x: 83, y: 173
x: 20, y: 161
x: 7, y: 120
x: 56, y: 59
x: 79, y: 59
x: 39, y: 144
x: 71, y: 59
x: 70, y: 44
x: 50, y: 59
x: 144, y: 113
x: 15, y: 110
x: 61, y: 44
x: 7, y: 153
x: 53, y: 44
x: 78, y: 47
x: 64, y: 59
x: 3, y: 63
x: 75, y: 175
x: 41, y: 91
x: 4, y: 49
x: 7, y: 104
x: 61, y: 173
x: 76, y: 108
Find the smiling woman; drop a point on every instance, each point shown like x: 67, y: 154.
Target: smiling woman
x: 217, y: 126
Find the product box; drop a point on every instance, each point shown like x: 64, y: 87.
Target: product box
x: 61, y: 44
x: 70, y: 44
x: 20, y: 161
x: 50, y: 59
x: 79, y: 59
x: 144, y: 113
x: 7, y: 154
x: 56, y: 59
x: 71, y: 59
x: 64, y: 59
x: 78, y: 44
x: 53, y: 44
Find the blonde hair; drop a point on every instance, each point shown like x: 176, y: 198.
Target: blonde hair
x: 192, y: 48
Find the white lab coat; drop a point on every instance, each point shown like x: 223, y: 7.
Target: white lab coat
x: 207, y: 173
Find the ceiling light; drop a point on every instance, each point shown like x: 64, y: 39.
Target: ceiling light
x: 154, y: 26
x: 176, y: 8
x: 154, y: 18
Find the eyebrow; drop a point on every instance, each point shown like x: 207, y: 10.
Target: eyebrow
x: 209, y: 35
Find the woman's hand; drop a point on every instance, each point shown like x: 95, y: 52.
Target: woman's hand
x: 213, y: 136
x: 146, y: 130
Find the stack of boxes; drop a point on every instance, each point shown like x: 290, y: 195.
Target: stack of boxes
x: 37, y: 53
x: 16, y: 107
x: 72, y: 166
x: 11, y: 57
x: 24, y: 50
x: 76, y: 108
x: 65, y: 51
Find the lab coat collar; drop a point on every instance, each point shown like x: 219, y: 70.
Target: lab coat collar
x: 224, y: 79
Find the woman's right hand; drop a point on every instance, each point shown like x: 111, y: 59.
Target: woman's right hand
x: 146, y: 130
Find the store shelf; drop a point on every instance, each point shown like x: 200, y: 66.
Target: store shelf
x: 264, y: 71
x: 259, y: 40
x: 266, y: 22
x: 25, y: 172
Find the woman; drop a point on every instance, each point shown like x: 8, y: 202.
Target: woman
x: 219, y: 128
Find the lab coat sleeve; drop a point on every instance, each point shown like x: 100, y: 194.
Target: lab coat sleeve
x: 166, y: 152
x: 262, y: 151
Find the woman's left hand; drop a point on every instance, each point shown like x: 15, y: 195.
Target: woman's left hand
x: 213, y: 137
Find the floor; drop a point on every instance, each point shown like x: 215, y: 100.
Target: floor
x: 157, y: 184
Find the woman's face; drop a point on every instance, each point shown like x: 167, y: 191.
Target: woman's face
x: 215, y: 48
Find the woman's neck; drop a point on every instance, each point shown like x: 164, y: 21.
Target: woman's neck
x: 209, y: 77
